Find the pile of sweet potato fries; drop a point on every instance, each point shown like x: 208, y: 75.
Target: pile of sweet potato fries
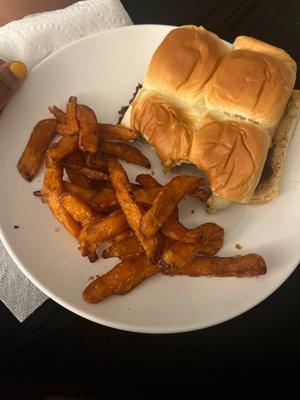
x: 139, y: 221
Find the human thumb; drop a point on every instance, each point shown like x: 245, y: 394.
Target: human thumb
x: 12, y: 74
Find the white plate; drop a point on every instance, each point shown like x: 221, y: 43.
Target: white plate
x: 103, y: 70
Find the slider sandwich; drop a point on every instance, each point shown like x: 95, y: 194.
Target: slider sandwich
x: 229, y: 111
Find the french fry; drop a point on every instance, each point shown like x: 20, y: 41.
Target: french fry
x: 200, y: 194
x: 65, y: 146
x: 146, y: 196
x: 147, y: 181
x: 120, y: 280
x: 75, y: 176
x: 104, y: 200
x: 80, y: 211
x: 239, y: 266
x: 59, y: 114
x: 93, y: 161
x: 129, y: 247
x: 33, y: 155
x: 93, y: 257
x: 92, y: 235
x: 121, y: 236
x: 90, y: 173
x: 120, y: 182
x: 89, y: 132
x: 52, y: 190
x: 125, y: 152
x: 111, y: 132
x: 83, y: 193
x: 71, y: 126
x: 165, y: 202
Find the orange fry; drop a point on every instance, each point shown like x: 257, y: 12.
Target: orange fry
x: 71, y: 126
x: 104, y: 200
x: 111, y: 132
x: 65, y: 146
x: 129, y: 247
x: 93, y: 161
x: 200, y: 194
x: 120, y: 182
x: 147, y: 181
x: 52, y: 190
x: 126, y: 152
x: 75, y: 176
x: 240, y: 266
x: 33, y: 155
x: 165, y: 202
x: 83, y: 193
x: 88, y: 133
x: 80, y: 211
x: 146, y: 196
x: 59, y: 114
x: 90, y: 173
x: 120, y: 280
x: 92, y: 235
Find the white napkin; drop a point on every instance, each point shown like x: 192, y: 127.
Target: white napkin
x: 31, y: 40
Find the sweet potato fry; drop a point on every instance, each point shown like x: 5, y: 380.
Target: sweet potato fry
x: 146, y: 196
x: 120, y: 182
x: 125, y: 152
x: 90, y: 173
x: 121, y: 236
x: 52, y: 190
x: 59, y: 114
x: 80, y: 211
x: 71, y: 126
x: 165, y: 202
x: 120, y: 280
x: 33, y: 155
x: 75, y: 176
x: 111, y: 132
x: 147, y: 181
x: 65, y: 146
x: 200, y: 194
x: 240, y: 266
x: 129, y: 247
x: 88, y: 132
x: 92, y: 235
x: 104, y: 200
x: 93, y: 161
x: 83, y: 193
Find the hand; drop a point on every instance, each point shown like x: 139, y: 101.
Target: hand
x: 12, y: 75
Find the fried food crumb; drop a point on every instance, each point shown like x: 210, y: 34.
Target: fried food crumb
x: 152, y: 173
x: 192, y: 211
x: 91, y: 278
x: 57, y: 229
x: 238, y: 246
x: 16, y: 227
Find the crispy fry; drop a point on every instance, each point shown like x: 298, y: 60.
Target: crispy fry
x: 33, y: 155
x: 120, y: 280
x: 65, y: 146
x: 239, y: 266
x: 88, y: 133
x: 93, y: 257
x: 132, y: 212
x: 38, y: 193
x: 75, y: 176
x: 165, y: 202
x: 92, y: 235
x: 104, y: 200
x: 126, y: 152
x: 83, y: 193
x: 71, y: 126
x: 146, y: 196
x: 111, y: 132
x: 93, y: 161
x: 147, y: 181
x: 53, y: 188
x: 80, y: 211
x: 200, y: 194
x: 88, y: 172
x: 59, y: 114
x: 121, y: 236
x: 129, y: 247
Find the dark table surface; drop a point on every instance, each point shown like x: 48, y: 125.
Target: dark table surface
x: 256, y: 354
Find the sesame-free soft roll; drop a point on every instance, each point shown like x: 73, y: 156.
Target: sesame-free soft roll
x: 218, y: 108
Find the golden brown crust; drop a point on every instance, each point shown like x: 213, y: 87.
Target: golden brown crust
x: 185, y: 61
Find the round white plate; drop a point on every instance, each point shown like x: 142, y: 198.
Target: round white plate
x: 103, y: 70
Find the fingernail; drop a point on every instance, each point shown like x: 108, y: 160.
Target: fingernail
x: 18, y: 69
